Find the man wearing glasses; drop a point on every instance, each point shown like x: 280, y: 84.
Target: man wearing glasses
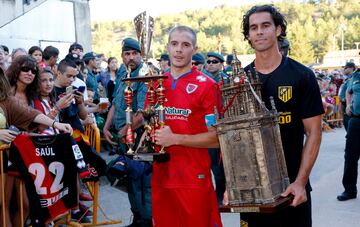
x: 198, y: 60
x: 214, y: 67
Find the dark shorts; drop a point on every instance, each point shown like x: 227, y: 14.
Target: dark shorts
x: 299, y: 216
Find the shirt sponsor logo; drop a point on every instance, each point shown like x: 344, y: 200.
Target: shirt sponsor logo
x: 201, y: 78
x: 177, y: 111
x: 285, y: 93
x: 190, y: 88
x: 77, y: 152
x: 173, y: 113
x: 52, y: 200
x: 284, y: 118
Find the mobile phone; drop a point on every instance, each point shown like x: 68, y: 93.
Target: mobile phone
x: 13, y: 128
x: 81, y: 89
x: 69, y: 89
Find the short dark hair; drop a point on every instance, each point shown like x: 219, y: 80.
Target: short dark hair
x: 33, y: 49
x: 6, y: 49
x: 49, y: 52
x: 64, y: 64
x: 182, y: 28
x: 278, y: 18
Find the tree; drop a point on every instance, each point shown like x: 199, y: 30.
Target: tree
x: 312, y: 29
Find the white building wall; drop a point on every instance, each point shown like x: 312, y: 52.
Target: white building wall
x: 50, y: 23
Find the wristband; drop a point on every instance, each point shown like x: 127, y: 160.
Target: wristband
x: 53, y: 124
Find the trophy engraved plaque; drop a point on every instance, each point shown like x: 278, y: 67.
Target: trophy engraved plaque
x: 251, y: 147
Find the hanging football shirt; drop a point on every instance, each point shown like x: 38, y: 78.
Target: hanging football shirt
x: 48, y: 166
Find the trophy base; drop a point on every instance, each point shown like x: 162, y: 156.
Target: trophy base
x: 258, y: 208
x: 150, y: 157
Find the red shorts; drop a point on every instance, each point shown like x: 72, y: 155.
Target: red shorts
x: 185, y: 207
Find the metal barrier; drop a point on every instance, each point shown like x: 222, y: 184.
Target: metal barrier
x: 4, y: 148
x: 93, y: 132
x: 94, y: 138
x: 336, y: 119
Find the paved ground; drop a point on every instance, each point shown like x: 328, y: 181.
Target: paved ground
x: 325, y: 178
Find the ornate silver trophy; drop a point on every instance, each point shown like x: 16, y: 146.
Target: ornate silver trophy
x: 154, y: 113
x: 250, y: 142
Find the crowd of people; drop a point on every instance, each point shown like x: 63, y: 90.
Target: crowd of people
x: 69, y: 94
x: 333, y: 89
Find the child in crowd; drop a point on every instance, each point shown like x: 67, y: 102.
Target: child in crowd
x: 46, y: 101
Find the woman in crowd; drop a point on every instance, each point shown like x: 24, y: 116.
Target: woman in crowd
x: 24, y: 81
x: 37, y: 53
x: 23, y: 76
x: 46, y: 103
x: 109, y: 77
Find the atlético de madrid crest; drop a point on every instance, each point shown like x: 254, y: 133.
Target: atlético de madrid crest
x: 285, y: 93
x: 190, y: 88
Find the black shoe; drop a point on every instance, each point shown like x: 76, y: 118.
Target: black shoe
x: 346, y: 196
x: 146, y: 223
x: 76, y: 216
x: 137, y: 223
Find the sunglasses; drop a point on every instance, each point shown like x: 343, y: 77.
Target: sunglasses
x: 27, y: 69
x: 212, y: 61
x: 196, y: 63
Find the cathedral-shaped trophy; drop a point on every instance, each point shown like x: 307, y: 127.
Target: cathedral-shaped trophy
x: 251, y: 147
x: 154, y: 112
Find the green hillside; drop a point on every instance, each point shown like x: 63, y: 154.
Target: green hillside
x: 314, y: 28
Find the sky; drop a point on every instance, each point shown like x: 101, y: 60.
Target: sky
x: 109, y: 10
